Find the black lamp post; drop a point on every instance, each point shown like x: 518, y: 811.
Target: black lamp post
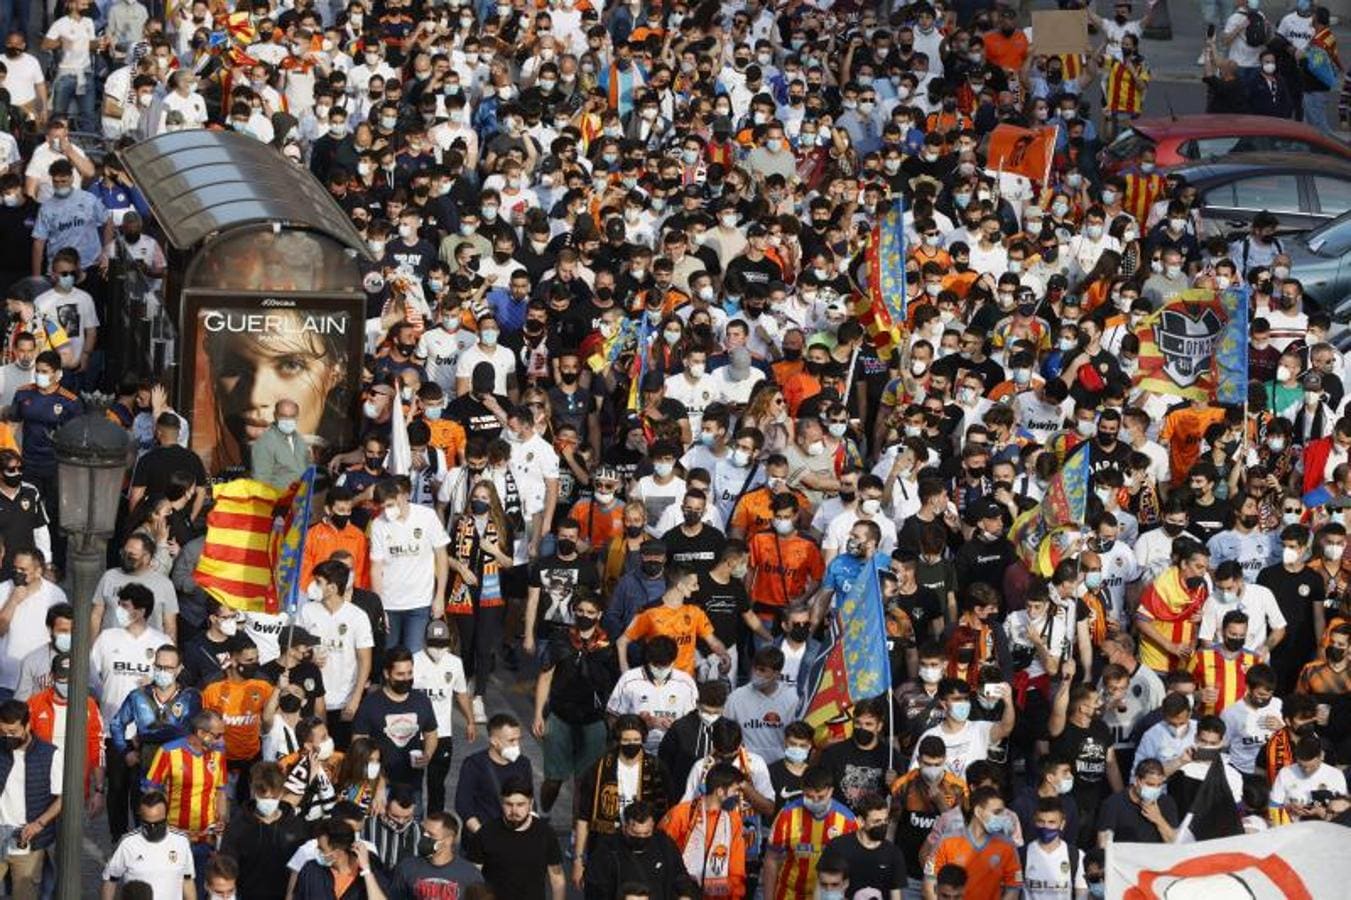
x: 91, y: 456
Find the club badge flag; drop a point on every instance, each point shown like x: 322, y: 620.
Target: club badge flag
x: 288, y: 543
x: 1043, y: 535
x: 885, y: 307
x: 854, y: 666
x: 236, y: 562
x: 1022, y: 151
x: 1302, y: 861
x: 1195, y: 340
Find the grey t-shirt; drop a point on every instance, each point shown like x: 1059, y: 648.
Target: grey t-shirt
x: 166, y: 598
x: 418, y: 878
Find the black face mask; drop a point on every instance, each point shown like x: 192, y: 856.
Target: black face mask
x: 691, y: 518
x: 633, y: 530
x: 290, y: 703
x: 653, y: 568
x: 13, y: 480
x: 129, y: 564
x: 638, y: 844
x: 584, y: 623
x: 155, y: 831
x: 864, y: 738
x: 400, y: 686
x: 630, y: 751
x: 1196, y: 582
x: 1335, y: 654
x: 800, y: 633
x: 566, y: 546
x: 406, y: 349
x: 847, y: 496
x: 12, y: 743
x: 339, y: 522
x: 1172, y: 529
x: 426, y: 846
x: 1249, y: 521
x: 373, y: 462
x: 792, y: 354
x: 247, y: 670
x: 569, y: 377
x: 877, y: 832
x: 1233, y: 645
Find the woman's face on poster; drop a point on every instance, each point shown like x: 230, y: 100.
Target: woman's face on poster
x: 261, y: 368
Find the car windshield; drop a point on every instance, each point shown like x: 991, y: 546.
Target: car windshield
x: 1332, y: 239
x: 1129, y: 144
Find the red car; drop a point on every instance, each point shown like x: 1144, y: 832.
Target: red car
x: 1189, y: 139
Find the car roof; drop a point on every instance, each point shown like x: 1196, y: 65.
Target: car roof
x: 1210, y: 125
x: 1237, y: 164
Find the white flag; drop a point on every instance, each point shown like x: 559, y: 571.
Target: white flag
x: 1303, y: 861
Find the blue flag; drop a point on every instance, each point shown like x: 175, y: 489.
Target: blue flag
x: 1231, y: 350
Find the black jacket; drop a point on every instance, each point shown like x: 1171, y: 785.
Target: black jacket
x: 685, y: 743
x: 265, y: 848
x: 613, y: 862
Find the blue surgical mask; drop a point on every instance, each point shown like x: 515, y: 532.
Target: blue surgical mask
x: 997, y: 824
x: 1093, y: 580
x: 797, y: 755
x: 1150, y: 794
x: 960, y: 710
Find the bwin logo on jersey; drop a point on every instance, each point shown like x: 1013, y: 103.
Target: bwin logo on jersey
x: 1187, y: 343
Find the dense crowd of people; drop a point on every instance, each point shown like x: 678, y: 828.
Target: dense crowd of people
x: 658, y: 428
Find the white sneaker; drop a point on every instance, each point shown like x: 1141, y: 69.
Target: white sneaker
x: 480, y: 716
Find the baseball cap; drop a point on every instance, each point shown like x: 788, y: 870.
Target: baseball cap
x: 986, y: 509
x: 438, y: 632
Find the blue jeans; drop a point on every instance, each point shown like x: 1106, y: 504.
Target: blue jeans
x: 64, y: 91
x: 408, y: 628
x: 1316, y: 109
x: 14, y: 16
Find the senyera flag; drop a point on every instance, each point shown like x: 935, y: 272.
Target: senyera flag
x: 1195, y: 346
x: 255, y: 536
x: 1303, y: 861
x: 1038, y: 535
x: 854, y: 666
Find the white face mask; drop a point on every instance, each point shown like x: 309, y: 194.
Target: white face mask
x: 373, y: 770
x: 325, y: 748
x: 512, y: 753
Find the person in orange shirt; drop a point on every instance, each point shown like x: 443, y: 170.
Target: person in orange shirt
x: 601, y: 516
x: 806, y: 383
x: 1007, y: 47
x: 336, y: 532
x: 1182, y: 432
x: 676, y: 618
x: 247, y: 703
x: 447, y: 435
x: 713, y: 822
x: 754, y: 513
x: 794, y: 340
x: 983, y: 850
x: 48, y: 706
x: 784, y: 565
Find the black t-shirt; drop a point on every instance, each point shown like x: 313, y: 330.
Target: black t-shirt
x: 20, y: 516
x: 154, y: 470
x: 417, y: 258
x: 476, y: 419
x: 557, y: 580
x: 872, y: 873
x: 758, y: 272
x: 515, y: 863
x: 786, y: 784
x: 1207, y: 521
x: 572, y: 408
x: 857, y: 771
x: 924, y: 609
x: 1296, y: 594
x: 1121, y: 816
x: 306, y: 675
x: 1101, y: 460
x: 699, y: 552
x: 397, y: 727
x: 1087, y: 747
x: 723, y: 604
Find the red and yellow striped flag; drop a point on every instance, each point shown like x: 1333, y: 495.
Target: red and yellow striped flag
x: 1125, y: 89
x: 236, y: 563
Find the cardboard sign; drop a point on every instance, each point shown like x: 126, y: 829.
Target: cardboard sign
x: 1056, y: 31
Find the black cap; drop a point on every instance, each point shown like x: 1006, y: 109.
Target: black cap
x: 652, y: 547
x: 652, y: 381
x: 484, y: 378
x: 986, y: 509
x: 756, y: 230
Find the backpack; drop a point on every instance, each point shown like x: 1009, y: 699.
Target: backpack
x: 1257, y: 33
